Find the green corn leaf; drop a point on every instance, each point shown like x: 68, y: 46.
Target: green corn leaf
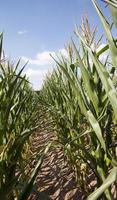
x: 87, y: 81
x: 110, y: 179
x: 104, y: 76
x: 113, y: 8
x: 114, y: 13
x: 94, y: 123
x: 112, y: 45
x: 1, y: 43
x: 75, y: 86
x: 96, y: 127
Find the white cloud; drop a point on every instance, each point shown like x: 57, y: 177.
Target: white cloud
x: 44, y: 58
x: 21, y: 32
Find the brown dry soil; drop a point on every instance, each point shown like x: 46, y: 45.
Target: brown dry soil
x: 55, y: 180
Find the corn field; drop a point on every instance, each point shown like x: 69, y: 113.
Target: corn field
x: 79, y: 99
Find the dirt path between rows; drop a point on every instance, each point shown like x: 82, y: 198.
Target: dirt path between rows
x: 56, y: 179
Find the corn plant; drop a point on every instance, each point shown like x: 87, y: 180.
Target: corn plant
x: 81, y: 97
x: 19, y: 117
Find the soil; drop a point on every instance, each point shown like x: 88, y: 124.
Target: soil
x: 56, y: 180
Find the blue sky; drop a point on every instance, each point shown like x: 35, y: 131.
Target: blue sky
x: 33, y: 28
